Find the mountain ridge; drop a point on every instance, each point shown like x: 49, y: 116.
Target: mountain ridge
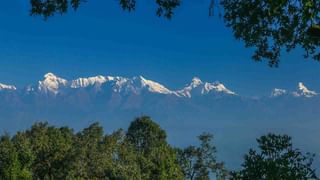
x: 54, y: 85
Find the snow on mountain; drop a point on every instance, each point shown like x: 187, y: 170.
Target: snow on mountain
x: 193, y: 88
x: 121, y: 84
x: 7, y: 87
x: 136, y: 85
x: 217, y: 87
x: 197, y: 87
x: 195, y: 82
x: 90, y: 81
x: 303, y: 91
x: 276, y: 92
x: 51, y: 84
x: 154, y: 86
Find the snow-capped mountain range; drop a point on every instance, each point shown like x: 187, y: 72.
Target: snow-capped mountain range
x: 54, y: 85
x: 302, y: 91
x: 7, y: 87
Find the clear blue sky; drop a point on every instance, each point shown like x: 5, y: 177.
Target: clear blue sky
x: 102, y: 39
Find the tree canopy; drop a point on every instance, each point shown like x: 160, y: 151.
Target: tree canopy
x: 142, y: 152
x: 48, y: 152
x: 277, y: 159
x: 269, y: 27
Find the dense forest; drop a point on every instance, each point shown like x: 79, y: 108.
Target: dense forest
x: 140, y: 152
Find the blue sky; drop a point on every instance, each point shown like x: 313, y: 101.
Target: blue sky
x: 102, y: 39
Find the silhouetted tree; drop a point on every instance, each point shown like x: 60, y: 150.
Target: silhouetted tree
x: 47, y: 8
x: 198, y: 163
x: 273, y: 26
x: 277, y: 159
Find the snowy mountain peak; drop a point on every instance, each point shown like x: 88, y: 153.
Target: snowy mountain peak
x: 142, y: 78
x: 197, y: 87
x: 302, y: 87
x: 217, y: 87
x: 51, y: 83
x: 304, y: 91
x: 196, y: 82
x: 276, y: 92
x: 49, y: 75
x: 7, y: 87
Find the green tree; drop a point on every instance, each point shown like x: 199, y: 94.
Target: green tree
x: 9, y: 160
x: 198, y: 163
x: 157, y: 159
x: 51, y: 147
x: 86, y: 158
x: 14, y: 163
x: 99, y: 156
x: 25, y: 154
x: 277, y: 159
x: 120, y: 159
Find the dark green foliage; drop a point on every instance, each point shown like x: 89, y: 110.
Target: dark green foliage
x: 10, y: 166
x: 120, y: 157
x: 166, y: 7
x: 271, y: 26
x: 51, y: 147
x: 86, y: 162
x: 26, y: 156
x: 47, y: 152
x: 47, y: 8
x: 277, y: 159
x: 157, y: 160
x: 145, y: 135
x: 99, y: 156
x: 128, y: 5
x: 198, y: 163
